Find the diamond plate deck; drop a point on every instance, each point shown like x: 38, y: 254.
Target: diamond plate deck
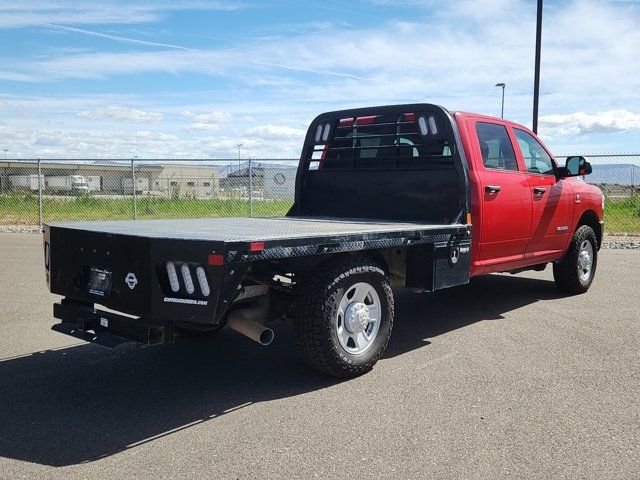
x: 246, y: 229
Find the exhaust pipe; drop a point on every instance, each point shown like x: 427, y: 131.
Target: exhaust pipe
x: 246, y: 321
x: 249, y: 328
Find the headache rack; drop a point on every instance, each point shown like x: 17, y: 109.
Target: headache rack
x: 388, y: 140
x: 394, y: 163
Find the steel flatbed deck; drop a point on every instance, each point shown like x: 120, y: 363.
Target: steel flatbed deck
x: 231, y: 230
x: 280, y: 237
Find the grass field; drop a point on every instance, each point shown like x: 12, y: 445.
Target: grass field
x: 23, y: 210
x: 621, y: 215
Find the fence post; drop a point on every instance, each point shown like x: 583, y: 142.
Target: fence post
x: 39, y: 195
x: 250, y: 190
x: 133, y: 187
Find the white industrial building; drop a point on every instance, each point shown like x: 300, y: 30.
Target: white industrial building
x: 174, y: 179
x: 279, y: 182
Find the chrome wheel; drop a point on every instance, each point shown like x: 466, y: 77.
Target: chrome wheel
x: 585, y: 260
x: 358, y: 318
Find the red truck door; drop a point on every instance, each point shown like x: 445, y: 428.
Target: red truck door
x: 505, y: 199
x: 552, y: 199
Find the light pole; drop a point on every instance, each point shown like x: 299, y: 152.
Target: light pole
x: 502, y: 108
x: 536, y: 80
x: 2, y: 181
x: 133, y: 184
x: 239, y: 145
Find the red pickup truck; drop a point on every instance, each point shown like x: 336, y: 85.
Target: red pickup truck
x: 530, y: 209
x: 396, y: 196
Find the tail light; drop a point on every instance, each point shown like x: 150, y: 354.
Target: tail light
x: 186, y: 277
x: 181, y: 278
x: 202, y: 281
x: 173, y: 277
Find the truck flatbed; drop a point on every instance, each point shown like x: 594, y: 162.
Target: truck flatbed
x: 124, y: 249
x: 381, y: 200
x: 231, y: 230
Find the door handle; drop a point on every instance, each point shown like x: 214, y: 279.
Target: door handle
x: 492, y: 188
x: 539, y: 190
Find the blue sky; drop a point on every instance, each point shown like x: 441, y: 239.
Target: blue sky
x: 194, y: 78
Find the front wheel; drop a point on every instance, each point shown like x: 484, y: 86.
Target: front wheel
x: 344, y: 316
x: 574, y: 273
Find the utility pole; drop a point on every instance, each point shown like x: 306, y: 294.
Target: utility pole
x: 536, y: 81
x: 250, y: 189
x: 239, y: 145
x: 5, y: 150
x: 40, y: 185
x: 133, y: 184
x: 502, y: 108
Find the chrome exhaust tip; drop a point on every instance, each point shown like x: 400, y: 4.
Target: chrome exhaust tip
x: 249, y: 328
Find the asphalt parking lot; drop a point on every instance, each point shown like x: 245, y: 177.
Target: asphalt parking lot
x: 504, y: 378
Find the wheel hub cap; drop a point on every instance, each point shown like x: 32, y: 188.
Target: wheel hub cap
x: 356, y: 317
x: 585, y: 260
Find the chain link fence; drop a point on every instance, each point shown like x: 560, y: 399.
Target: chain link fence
x: 39, y: 191
x: 618, y: 176
x: 33, y: 192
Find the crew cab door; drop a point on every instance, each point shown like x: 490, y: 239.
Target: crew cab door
x: 505, y: 198
x: 552, y: 199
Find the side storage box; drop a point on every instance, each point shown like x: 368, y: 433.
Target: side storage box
x: 440, y: 265
x: 451, y: 264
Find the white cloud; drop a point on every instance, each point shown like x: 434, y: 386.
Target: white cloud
x: 20, y: 77
x: 23, y: 14
x: 581, y: 123
x: 116, y: 38
x: 589, y: 49
x: 131, y: 115
x: 448, y: 53
x: 203, y: 127
x: 26, y: 142
x: 328, y: 73
x: 70, y: 12
x: 206, y: 122
x: 3, y: 103
x: 213, y: 117
x: 275, y: 132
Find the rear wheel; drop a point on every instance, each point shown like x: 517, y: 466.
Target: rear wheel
x: 574, y: 273
x: 344, y: 316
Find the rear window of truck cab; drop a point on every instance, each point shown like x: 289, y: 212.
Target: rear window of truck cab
x: 388, y: 141
x: 495, y: 147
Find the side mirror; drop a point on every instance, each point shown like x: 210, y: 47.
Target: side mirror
x: 574, y: 167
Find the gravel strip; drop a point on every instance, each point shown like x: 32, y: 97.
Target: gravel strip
x: 20, y: 229
x: 621, y: 241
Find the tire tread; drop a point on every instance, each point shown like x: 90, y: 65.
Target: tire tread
x: 565, y: 272
x: 316, y: 301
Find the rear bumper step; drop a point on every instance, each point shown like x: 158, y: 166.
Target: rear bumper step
x: 106, y: 329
